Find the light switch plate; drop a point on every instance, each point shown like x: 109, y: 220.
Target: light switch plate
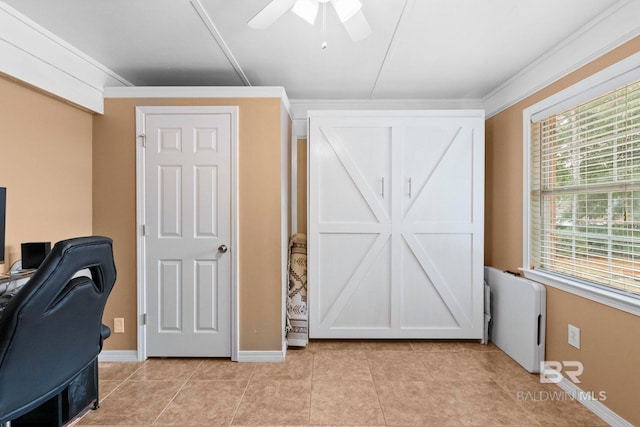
x: 118, y: 325
x: 574, y: 336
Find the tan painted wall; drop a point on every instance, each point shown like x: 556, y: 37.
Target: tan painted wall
x: 301, y: 208
x: 609, y: 338
x: 45, y: 163
x: 260, y: 207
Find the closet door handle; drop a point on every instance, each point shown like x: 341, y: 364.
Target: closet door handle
x: 409, y: 187
x: 382, y: 187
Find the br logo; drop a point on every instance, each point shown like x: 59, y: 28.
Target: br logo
x: 551, y: 371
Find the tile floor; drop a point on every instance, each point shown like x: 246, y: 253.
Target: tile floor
x: 372, y: 383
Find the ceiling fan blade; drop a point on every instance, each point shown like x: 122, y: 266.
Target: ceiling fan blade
x: 306, y: 9
x: 270, y: 13
x: 357, y: 27
x: 346, y: 8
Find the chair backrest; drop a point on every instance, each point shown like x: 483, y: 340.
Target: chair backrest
x: 50, y: 330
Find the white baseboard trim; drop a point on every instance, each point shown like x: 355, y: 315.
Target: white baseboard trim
x: 243, y: 356
x: 260, y: 356
x: 594, y: 405
x: 263, y: 356
x: 118, y: 356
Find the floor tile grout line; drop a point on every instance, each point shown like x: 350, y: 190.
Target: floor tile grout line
x: 244, y: 392
x: 375, y: 389
x: 426, y: 367
x: 121, y: 382
x: 313, y: 372
x: 519, y: 403
x: 176, y: 394
x: 136, y: 370
x: 102, y: 398
x: 128, y: 377
x: 499, y: 382
x: 313, y: 367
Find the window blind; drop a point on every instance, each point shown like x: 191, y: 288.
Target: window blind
x: 585, y: 191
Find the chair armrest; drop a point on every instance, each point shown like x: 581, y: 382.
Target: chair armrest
x: 105, y: 332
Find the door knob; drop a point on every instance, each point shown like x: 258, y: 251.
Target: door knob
x: 223, y: 248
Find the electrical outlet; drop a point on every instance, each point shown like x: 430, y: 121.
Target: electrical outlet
x: 574, y: 336
x: 118, y: 325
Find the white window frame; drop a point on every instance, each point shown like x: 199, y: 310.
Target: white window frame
x: 613, y: 77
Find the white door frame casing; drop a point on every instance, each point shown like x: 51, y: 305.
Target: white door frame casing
x: 141, y: 113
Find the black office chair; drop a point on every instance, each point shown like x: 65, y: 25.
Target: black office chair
x: 51, y: 332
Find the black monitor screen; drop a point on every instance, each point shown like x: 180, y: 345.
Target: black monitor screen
x: 3, y: 214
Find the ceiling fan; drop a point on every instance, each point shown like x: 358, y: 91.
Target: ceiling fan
x: 349, y: 12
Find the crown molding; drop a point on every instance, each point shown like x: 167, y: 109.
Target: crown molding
x: 608, y: 31
x: 200, y: 92
x: 30, y: 53
x: 299, y: 107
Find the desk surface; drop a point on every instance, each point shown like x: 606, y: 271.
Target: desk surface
x: 23, y: 274
x: 10, y: 285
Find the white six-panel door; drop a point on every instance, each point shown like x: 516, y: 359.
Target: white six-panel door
x: 188, y: 226
x: 396, y: 224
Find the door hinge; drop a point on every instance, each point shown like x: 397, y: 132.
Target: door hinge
x: 143, y: 138
x: 144, y: 230
x: 144, y: 319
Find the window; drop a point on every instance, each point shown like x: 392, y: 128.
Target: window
x: 585, y: 191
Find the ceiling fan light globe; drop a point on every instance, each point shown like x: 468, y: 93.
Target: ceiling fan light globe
x: 306, y: 9
x: 346, y: 9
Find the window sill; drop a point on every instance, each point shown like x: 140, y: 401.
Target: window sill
x: 612, y: 299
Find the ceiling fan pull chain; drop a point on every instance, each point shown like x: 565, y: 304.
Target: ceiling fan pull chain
x: 324, y: 26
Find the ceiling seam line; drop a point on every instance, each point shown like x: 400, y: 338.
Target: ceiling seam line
x: 386, y: 54
x: 213, y: 30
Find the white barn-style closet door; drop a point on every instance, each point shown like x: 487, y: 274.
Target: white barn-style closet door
x: 396, y: 219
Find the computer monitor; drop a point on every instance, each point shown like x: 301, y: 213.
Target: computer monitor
x: 3, y: 216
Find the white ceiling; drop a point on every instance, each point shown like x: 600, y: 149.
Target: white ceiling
x: 422, y: 49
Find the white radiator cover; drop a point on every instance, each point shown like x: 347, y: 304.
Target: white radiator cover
x: 518, y: 315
